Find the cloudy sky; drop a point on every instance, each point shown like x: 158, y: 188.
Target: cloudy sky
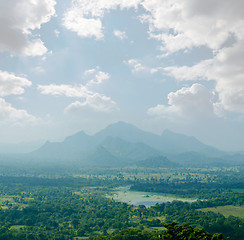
x: 75, y: 65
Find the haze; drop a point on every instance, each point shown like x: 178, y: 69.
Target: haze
x: 67, y: 66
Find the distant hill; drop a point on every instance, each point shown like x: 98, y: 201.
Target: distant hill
x: 157, y: 162
x: 129, y: 150
x: 122, y: 144
x: 196, y: 159
x: 169, y: 142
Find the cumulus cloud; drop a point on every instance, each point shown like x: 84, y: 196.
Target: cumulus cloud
x: 95, y: 102
x: 11, y: 84
x: 135, y: 64
x: 9, y: 114
x: 95, y: 76
x: 217, y: 25
x: 90, y: 100
x: 225, y: 69
x: 120, y: 34
x: 18, y: 19
x: 188, y: 102
x: 78, y: 91
x: 85, y: 16
x: 183, y: 24
x: 85, y: 28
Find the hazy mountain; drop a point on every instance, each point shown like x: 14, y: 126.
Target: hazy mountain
x: 196, y: 159
x: 73, y: 147
x: 123, y: 143
x: 18, y: 148
x: 178, y: 143
x: 169, y: 142
x: 127, y: 150
x: 100, y: 157
x: 157, y: 162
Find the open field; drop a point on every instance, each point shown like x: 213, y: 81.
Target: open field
x: 123, y: 194
x: 237, y: 211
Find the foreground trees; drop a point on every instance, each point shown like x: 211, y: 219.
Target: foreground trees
x: 173, y: 232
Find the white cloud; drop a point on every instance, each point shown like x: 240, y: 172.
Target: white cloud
x: 91, y: 100
x: 95, y: 77
x: 78, y: 91
x: 99, y: 78
x: 18, y: 18
x: 85, y: 16
x: 135, y: 65
x: 85, y: 28
x: 11, y: 84
x: 199, y: 71
x: 120, y: 34
x: 96, y: 103
x: 9, y: 114
x: 226, y: 69
x: 228, y: 73
x: 217, y: 25
x: 192, y: 102
x: 90, y: 71
x: 182, y: 24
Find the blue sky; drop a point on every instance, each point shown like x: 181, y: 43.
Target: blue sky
x: 77, y: 65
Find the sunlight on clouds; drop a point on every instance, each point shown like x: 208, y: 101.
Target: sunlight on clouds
x: 11, y: 115
x: 95, y: 102
x: 11, y: 84
x: 92, y: 100
x: 218, y: 25
x: 18, y: 18
x: 85, y: 16
x: 135, y: 65
x: 192, y: 102
x: 82, y: 26
x: 78, y: 91
x: 120, y: 34
x: 95, y: 77
x: 199, y: 71
x: 35, y: 48
x: 189, y: 23
x: 226, y: 69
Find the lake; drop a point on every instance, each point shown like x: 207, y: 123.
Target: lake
x: 148, y: 199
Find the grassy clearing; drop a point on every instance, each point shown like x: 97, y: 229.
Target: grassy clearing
x: 17, y: 227
x: 237, y: 211
x: 7, y: 202
x: 158, y: 229
x: 162, y: 218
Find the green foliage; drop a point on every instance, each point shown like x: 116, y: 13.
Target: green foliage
x: 129, y: 234
x: 185, y: 231
x: 173, y: 232
x: 67, y: 207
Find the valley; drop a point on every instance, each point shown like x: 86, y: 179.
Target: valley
x: 121, y: 179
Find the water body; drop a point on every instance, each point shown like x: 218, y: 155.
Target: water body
x: 148, y: 199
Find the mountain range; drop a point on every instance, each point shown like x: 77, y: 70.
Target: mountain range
x: 122, y: 144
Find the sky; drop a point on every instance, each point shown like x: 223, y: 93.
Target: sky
x: 74, y: 65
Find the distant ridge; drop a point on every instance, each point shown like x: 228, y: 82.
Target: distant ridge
x: 121, y: 144
x: 157, y: 162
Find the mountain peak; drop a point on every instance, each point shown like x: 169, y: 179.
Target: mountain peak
x: 125, y: 131
x: 120, y: 125
x: 77, y: 136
